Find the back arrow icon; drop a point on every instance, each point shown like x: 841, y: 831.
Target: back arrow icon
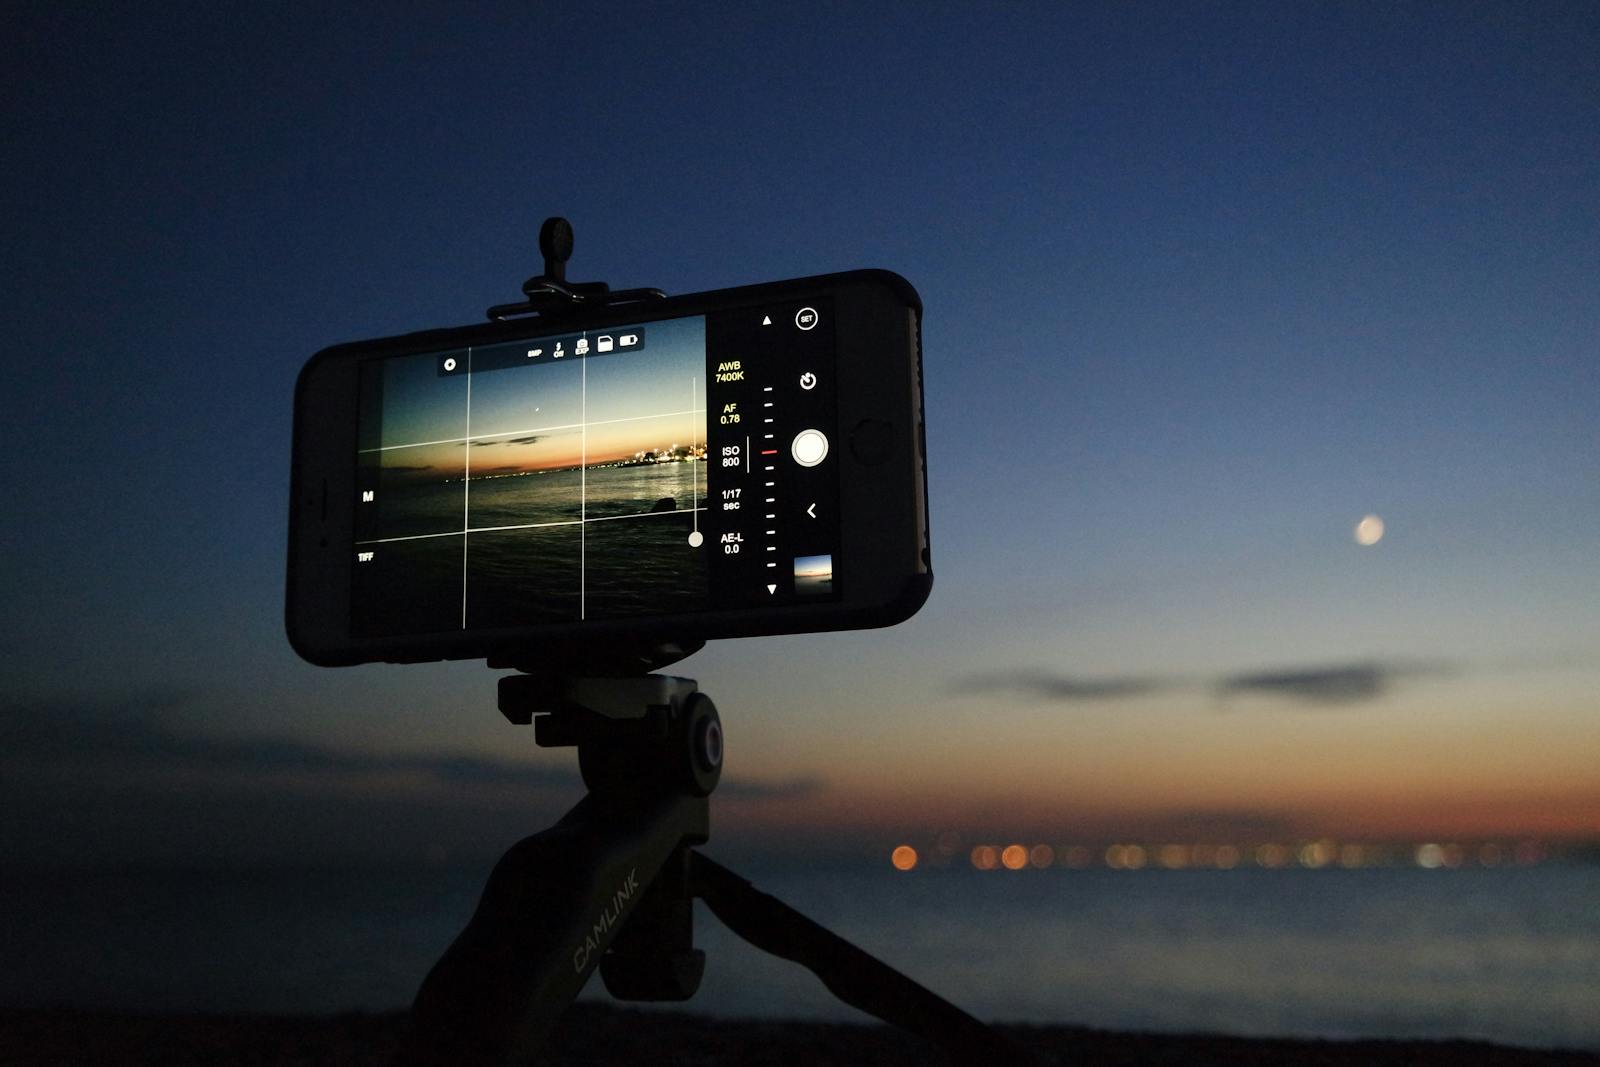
x: 812, y: 511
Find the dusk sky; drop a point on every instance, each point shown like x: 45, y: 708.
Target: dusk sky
x: 1204, y: 286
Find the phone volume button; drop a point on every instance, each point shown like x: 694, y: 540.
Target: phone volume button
x: 872, y: 442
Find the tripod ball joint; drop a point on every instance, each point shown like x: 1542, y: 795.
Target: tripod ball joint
x: 703, y: 733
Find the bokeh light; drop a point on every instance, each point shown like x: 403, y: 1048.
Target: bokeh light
x: 1270, y: 855
x: 1315, y: 855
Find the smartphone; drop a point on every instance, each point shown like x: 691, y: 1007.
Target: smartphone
x: 723, y: 464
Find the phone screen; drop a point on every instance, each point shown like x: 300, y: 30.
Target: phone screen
x: 661, y: 468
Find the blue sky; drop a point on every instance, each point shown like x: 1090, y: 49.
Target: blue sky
x: 1204, y: 286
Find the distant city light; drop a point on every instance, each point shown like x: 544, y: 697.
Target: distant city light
x: 1316, y: 854
x: 1271, y: 856
x: 1369, y: 531
x: 1309, y: 855
x: 904, y: 858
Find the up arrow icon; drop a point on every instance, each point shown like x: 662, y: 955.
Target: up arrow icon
x: 766, y: 320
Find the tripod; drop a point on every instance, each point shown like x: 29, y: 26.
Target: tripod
x: 611, y: 887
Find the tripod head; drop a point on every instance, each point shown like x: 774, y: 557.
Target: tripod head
x: 613, y: 659
x: 634, y: 735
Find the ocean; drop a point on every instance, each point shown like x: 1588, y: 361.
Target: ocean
x: 1510, y: 955
x: 633, y: 557
x: 410, y: 507
x: 629, y: 560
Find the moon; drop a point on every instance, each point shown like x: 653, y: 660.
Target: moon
x: 1369, y: 531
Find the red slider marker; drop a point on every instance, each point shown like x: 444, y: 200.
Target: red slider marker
x: 769, y: 451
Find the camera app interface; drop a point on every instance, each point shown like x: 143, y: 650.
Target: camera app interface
x: 666, y: 468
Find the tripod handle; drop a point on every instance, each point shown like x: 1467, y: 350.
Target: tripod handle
x: 552, y: 907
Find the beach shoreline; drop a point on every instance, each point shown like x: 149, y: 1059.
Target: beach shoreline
x: 593, y: 1034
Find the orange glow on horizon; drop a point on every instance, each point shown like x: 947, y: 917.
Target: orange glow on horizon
x: 904, y: 858
x: 1390, y: 815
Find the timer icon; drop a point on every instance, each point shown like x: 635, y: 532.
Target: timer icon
x: 808, y: 380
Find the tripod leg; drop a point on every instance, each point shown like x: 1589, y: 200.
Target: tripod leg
x: 858, y: 979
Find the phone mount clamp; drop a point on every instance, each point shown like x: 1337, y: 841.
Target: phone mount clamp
x: 611, y: 886
x: 550, y: 293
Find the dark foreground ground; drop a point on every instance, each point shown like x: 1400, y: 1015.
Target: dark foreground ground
x: 600, y: 1034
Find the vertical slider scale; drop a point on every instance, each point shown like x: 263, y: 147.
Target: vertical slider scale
x: 769, y: 507
x: 610, y: 886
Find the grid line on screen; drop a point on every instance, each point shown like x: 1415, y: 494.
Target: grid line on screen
x: 649, y: 403
x: 535, y: 429
x: 530, y: 526
x: 583, y: 495
x: 694, y: 472
x: 466, y: 493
